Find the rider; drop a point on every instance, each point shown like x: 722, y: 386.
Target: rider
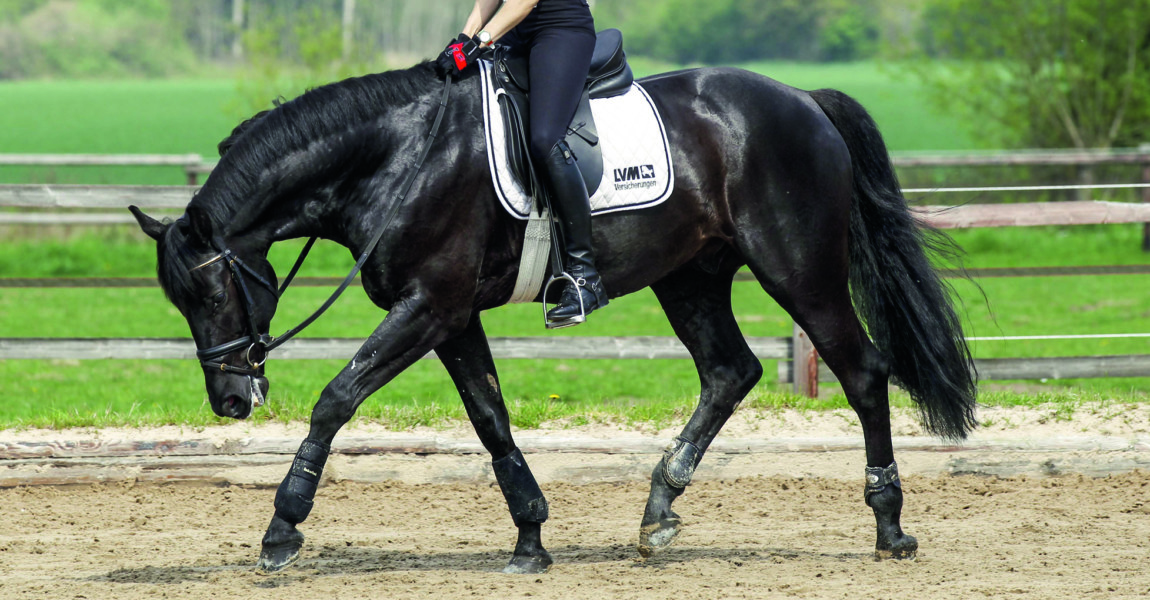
x: 558, y: 37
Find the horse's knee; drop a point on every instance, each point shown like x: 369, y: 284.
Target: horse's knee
x: 726, y: 386
x: 336, y: 406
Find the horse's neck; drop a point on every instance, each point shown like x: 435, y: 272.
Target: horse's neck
x: 311, y: 195
x: 284, y: 203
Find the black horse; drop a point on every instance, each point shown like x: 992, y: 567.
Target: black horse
x: 796, y: 185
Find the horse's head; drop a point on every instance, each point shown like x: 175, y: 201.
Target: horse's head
x: 227, y: 301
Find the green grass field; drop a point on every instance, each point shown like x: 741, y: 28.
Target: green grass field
x: 112, y: 117
x: 56, y: 393
x: 190, y: 116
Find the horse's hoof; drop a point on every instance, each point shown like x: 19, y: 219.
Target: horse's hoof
x: 529, y: 565
x: 658, y: 536
x: 277, y: 558
x: 905, y: 548
x: 280, y: 555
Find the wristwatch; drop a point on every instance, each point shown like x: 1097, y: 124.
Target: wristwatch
x: 484, y: 37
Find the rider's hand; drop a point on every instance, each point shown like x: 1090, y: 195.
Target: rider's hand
x: 459, y: 54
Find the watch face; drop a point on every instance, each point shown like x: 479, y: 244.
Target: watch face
x: 484, y: 37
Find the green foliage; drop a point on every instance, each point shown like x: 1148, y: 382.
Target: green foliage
x: 85, y: 38
x: 1041, y: 73
x: 286, y: 58
x: 725, y: 31
x: 850, y: 33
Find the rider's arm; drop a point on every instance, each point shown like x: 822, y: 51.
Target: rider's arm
x: 480, y: 15
x: 512, y: 13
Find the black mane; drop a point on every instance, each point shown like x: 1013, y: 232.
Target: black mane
x: 265, y: 138
x: 335, y: 108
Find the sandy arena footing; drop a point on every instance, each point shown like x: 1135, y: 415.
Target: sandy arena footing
x: 1032, y: 507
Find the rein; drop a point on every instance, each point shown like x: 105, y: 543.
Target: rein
x: 211, y: 357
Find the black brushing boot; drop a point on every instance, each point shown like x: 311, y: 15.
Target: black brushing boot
x: 570, y: 202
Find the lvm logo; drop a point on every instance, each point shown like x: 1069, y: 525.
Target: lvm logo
x: 636, y: 173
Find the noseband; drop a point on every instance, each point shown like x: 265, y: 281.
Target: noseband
x: 210, y: 358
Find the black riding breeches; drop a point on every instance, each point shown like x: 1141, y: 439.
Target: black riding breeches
x: 559, y: 60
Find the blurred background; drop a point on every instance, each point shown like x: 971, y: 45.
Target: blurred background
x: 968, y: 93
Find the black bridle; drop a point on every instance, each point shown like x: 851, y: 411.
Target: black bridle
x: 212, y: 358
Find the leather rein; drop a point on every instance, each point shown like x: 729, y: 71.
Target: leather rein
x: 263, y: 343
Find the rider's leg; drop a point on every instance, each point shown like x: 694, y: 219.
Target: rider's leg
x: 559, y: 62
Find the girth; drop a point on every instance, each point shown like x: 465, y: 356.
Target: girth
x: 609, y: 76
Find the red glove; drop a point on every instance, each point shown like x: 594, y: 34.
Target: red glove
x: 459, y: 55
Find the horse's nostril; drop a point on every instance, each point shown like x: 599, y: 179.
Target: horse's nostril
x: 234, y: 406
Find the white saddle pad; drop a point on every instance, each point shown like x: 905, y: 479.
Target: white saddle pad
x: 637, y: 169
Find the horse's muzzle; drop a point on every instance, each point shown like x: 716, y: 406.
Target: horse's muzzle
x: 241, y: 406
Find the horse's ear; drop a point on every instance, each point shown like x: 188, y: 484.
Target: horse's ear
x: 200, y: 230
x: 152, y: 227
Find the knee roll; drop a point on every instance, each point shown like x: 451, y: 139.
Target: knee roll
x: 524, y: 498
x: 295, y: 496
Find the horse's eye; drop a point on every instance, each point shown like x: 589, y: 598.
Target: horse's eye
x: 219, y: 298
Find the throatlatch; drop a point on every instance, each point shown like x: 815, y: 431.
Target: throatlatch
x: 524, y: 498
x: 877, y: 478
x: 295, y: 496
x: 679, y: 463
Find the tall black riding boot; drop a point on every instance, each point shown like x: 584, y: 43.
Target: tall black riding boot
x: 570, y: 202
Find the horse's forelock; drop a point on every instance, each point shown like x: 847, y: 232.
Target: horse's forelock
x: 175, y: 260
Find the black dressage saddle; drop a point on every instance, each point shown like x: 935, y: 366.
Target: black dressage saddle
x: 610, y: 75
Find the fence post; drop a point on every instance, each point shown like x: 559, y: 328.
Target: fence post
x: 805, y: 364
x: 1144, y: 149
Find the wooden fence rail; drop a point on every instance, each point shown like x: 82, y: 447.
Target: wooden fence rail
x: 999, y: 369
x: 945, y: 217
x: 634, y: 347
x: 151, y: 282
x: 194, y: 165
x: 1034, y: 158
x: 795, y: 348
x: 616, y: 348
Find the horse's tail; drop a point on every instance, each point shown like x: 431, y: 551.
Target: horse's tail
x: 905, y: 305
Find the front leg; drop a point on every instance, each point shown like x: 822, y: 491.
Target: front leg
x: 410, y: 331
x: 467, y: 358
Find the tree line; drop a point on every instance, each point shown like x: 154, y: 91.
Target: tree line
x: 1022, y: 72
x: 159, y: 37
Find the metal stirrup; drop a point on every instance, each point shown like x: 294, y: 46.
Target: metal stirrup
x: 569, y: 322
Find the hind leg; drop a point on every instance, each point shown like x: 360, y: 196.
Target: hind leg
x: 698, y: 304
x: 826, y: 313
